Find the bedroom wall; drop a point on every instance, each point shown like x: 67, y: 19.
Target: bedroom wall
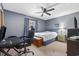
x: 41, y: 26
x: 67, y: 21
x: 15, y: 23
x: 0, y: 6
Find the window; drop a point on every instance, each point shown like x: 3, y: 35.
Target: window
x: 32, y: 23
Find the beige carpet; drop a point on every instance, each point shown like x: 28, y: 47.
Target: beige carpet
x: 54, y: 49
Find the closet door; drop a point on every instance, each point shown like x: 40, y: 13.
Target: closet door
x: 1, y: 18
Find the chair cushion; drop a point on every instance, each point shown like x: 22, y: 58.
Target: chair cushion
x: 10, y: 42
x: 2, y: 32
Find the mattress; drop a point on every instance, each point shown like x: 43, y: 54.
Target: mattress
x: 46, y: 35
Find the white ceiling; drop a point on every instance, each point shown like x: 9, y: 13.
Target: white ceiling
x: 31, y: 9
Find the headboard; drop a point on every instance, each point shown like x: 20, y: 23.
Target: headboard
x: 73, y: 32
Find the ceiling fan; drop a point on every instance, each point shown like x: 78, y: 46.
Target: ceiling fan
x: 47, y: 10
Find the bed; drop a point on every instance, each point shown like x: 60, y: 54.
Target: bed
x: 48, y: 36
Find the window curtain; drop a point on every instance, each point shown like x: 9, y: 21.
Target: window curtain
x: 26, y: 27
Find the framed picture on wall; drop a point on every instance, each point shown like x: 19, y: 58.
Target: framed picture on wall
x: 56, y: 25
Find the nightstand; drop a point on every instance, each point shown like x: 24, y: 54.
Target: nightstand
x: 38, y: 41
x: 62, y: 35
x: 61, y: 38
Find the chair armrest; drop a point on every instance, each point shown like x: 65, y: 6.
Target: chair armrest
x: 23, y: 37
x: 26, y: 39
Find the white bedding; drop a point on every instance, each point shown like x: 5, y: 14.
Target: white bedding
x: 46, y: 35
x: 74, y: 37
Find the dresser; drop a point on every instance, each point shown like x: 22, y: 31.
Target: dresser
x: 38, y: 41
x: 72, y: 47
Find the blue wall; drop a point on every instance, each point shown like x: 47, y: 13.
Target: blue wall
x: 15, y: 23
x: 41, y: 25
x: 67, y: 21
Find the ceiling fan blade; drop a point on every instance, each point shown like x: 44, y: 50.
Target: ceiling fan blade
x: 50, y: 9
x: 42, y: 8
x: 48, y: 14
x: 42, y: 14
x: 38, y: 12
